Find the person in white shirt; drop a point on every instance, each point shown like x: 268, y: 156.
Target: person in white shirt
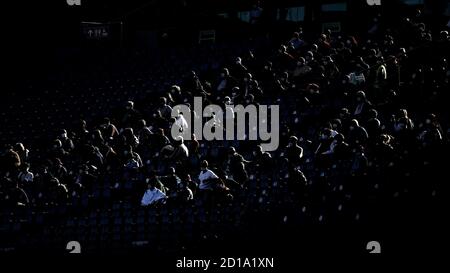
x: 153, y: 195
x: 206, y: 177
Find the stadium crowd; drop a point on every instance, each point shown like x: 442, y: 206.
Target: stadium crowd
x: 363, y: 122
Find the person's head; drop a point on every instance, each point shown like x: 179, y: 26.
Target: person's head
x: 128, y: 132
x: 62, y: 134
x: 171, y: 171
x: 372, y: 114
x: 179, y: 141
x: 402, y: 113
x: 162, y: 101
x: 142, y: 123
x: 224, y: 73
x: 353, y: 124
x: 344, y: 113
x: 258, y: 150
x: 327, y: 60
x: 336, y: 124
x: 309, y: 56
x: 57, y: 144
x: 82, y: 124
x: 360, y: 96
x: 160, y: 131
x: 106, y: 122
x: 19, y: 147
x: 385, y: 139
x: 204, y: 165
x: 301, y: 62
x: 325, y: 134
x: 227, y: 100
x: 235, y: 91
x: 431, y: 119
x: 293, y: 140
x: 296, y: 35
x: 175, y: 89
x: 238, y: 60
x: 248, y: 77
x: 129, y: 105
x: 231, y: 151
x: 339, y: 138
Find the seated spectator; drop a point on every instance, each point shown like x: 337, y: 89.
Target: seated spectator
x: 67, y: 143
x: 208, y: 179
x: 14, y: 195
x: 152, y: 195
x: 176, y: 153
x: 20, y: 149
x: 236, y: 166
x: 25, y: 176
x: 109, y: 130
x: 164, y: 108
x: 362, y: 104
x: 58, y: 192
x: 225, y: 82
x: 357, y: 135
x: 294, y: 152
x: 130, y: 115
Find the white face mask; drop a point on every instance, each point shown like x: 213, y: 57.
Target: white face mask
x: 222, y: 75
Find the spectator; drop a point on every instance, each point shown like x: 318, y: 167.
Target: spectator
x: 25, y: 176
x: 152, y: 195
x: 208, y: 179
